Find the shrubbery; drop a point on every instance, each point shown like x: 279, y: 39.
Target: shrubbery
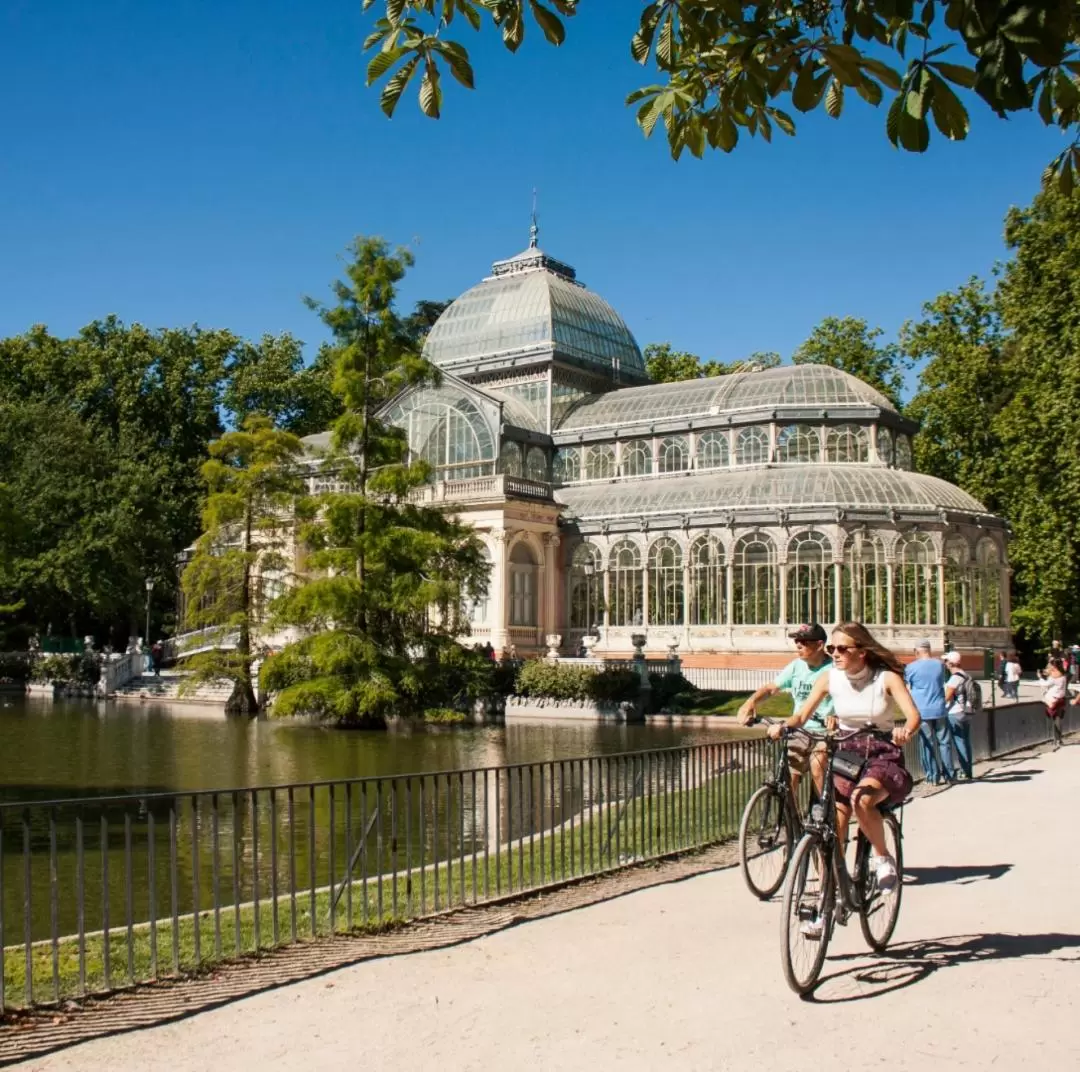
x: 81, y: 669
x: 15, y: 667
x: 580, y: 684
x: 671, y: 693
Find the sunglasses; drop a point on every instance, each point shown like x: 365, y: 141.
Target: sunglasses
x: 841, y: 649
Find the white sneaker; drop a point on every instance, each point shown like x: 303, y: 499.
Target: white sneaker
x: 884, y: 869
x: 813, y: 929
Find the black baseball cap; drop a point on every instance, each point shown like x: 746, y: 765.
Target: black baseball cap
x: 811, y: 631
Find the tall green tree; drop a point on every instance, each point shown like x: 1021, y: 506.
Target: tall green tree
x: 253, y: 483
x: 729, y: 68
x: 964, y: 386
x: 850, y: 344
x: 381, y: 602
x: 664, y: 364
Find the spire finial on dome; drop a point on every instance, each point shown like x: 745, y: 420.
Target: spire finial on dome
x: 534, y: 227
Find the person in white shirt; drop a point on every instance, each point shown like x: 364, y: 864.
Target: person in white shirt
x: 1055, y: 691
x: 1012, y: 677
x: 958, y: 699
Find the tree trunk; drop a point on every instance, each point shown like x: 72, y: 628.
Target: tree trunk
x: 243, y: 700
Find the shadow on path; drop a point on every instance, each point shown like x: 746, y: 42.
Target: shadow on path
x: 1005, y: 776
x: 905, y: 965
x: 962, y: 876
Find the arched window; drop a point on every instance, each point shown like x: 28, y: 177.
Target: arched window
x: 847, y: 443
x: 475, y: 610
x: 798, y: 443
x: 586, y: 587
x: 713, y: 451
x: 708, y: 582
x: 637, y: 458
x: 567, y: 466
x: 447, y: 430
x: 665, y: 583
x: 624, y: 564
x: 987, y: 583
x: 522, y: 585
x: 674, y: 454
x: 599, y: 462
x: 536, y: 465
x: 511, y: 460
x: 958, y: 601
x: 754, y: 593
x: 811, y: 580
x: 884, y: 445
x: 752, y: 446
x: 865, y: 596
x: 903, y: 452
x: 915, y: 589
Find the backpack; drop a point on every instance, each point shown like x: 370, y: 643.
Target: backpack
x: 972, y: 695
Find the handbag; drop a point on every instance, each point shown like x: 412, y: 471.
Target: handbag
x: 848, y: 765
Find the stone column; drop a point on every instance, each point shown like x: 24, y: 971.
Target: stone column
x: 781, y: 565
x: 889, y: 593
x: 500, y: 638
x: 941, y: 595
x: 838, y: 603
x: 686, y: 600
x: 549, y: 620
x: 729, y: 593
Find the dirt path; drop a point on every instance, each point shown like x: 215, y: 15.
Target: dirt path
x: 687, y: 975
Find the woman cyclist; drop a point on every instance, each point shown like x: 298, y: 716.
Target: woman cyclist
x: 867, y: 687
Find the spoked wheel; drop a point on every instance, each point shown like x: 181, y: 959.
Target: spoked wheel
x: 880, y: 909
x: 765, y: 838
x: 806, y: 922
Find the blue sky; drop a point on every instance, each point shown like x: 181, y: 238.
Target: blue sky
x: 207, y: 162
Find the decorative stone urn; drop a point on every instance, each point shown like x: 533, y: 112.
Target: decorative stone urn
x: 588, y: 642
x: 638, y: 640
x: 673, y: 647
x: 554, y: 642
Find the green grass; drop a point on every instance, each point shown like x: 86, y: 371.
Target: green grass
x: 606, y: 837
x: 728, y: 703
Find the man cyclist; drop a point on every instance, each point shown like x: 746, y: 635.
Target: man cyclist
x: 798, y: 678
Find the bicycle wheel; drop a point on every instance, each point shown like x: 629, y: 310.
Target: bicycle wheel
x: 808, y: 899
x: 765, y: 842
x: 881, y: 909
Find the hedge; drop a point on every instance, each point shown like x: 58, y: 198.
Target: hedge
x: 581, y: 684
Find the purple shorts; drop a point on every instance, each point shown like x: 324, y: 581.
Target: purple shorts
x: 884, y: 763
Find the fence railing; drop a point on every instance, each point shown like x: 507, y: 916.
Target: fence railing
x: 728, y: 679
x: 106, y: 892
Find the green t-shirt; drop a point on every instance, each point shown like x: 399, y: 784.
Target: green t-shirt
x: 798, y: 679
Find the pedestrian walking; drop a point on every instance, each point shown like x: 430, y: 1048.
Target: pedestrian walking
x: 961, y: 701
x: 157, y: 657
x: 925, y: 679
x: 1012, y: 677
x: 1055, y: 689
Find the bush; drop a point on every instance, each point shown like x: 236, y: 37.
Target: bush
x: 81, y: 669
x: 444, y: 716
x: 579, y: 684
x: 671, y: 693
x: 15, y: 667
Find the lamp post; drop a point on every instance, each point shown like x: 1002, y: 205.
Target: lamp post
x: 149, y: 592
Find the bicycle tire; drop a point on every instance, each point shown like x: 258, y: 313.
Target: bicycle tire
x: 878, y: 929
x: 793, y: 915
x: 762, y: 802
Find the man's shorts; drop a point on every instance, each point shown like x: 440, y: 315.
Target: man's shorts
x: 799, y: 749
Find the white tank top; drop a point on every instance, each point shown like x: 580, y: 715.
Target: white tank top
x: 858, y: 709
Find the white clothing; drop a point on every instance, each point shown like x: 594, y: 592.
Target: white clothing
x: 958, y: 683
x: 1012, y: 672
x: 870, y: 707
x: 1055, y: 688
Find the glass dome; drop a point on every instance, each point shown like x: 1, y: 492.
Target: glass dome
x: 818, y: 386
x: 532, y: 304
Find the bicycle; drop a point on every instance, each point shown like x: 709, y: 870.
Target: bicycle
x: 819, y: 887
x: 769, y: 828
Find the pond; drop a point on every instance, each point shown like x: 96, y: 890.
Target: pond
x: 59, y: 749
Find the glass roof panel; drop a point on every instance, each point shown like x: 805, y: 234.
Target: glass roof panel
x: 805, y: 485
x: 789, y: 385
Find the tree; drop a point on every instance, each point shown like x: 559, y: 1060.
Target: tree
x: 724, y: 67
x: 1039, y: 294
x: 665, y: 365
x: 963, y: 388
x: 252, y: 484
x: 847, y: 343
x: 381, y: 604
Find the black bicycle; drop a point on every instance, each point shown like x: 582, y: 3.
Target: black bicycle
x: 821, y: 892
x: 770, y: 826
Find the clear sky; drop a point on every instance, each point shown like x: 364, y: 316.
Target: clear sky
x: 207, y: 162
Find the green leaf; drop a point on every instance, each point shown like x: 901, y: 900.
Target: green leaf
x: 394, y: 9
x: 457, y: 59
x: 809, y: 87
x: 885, y: 74
x: 950, y: 115
x: 641, y: 42
x: 834, y: 99
x: 549, y: 22
x: 843, y: 61
x: 960, y: 76
x: 783, y: 121
x: 665, y: 47
x: 914, y: 132
x: 382, y: 62
x: 725, y: 132
x: 870, y: 91
x: 513, y: 29
x: 393, y: 89
x: 649, y: 112
x: 920, y: 89
x: 892, y: 121
x: 1046, y: 104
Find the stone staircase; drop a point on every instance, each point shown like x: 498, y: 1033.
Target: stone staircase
x: 165, y: 688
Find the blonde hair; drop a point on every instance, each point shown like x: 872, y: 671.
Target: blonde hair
x: 877, y: 655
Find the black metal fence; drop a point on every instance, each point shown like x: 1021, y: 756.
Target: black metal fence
x: 101, y: 893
